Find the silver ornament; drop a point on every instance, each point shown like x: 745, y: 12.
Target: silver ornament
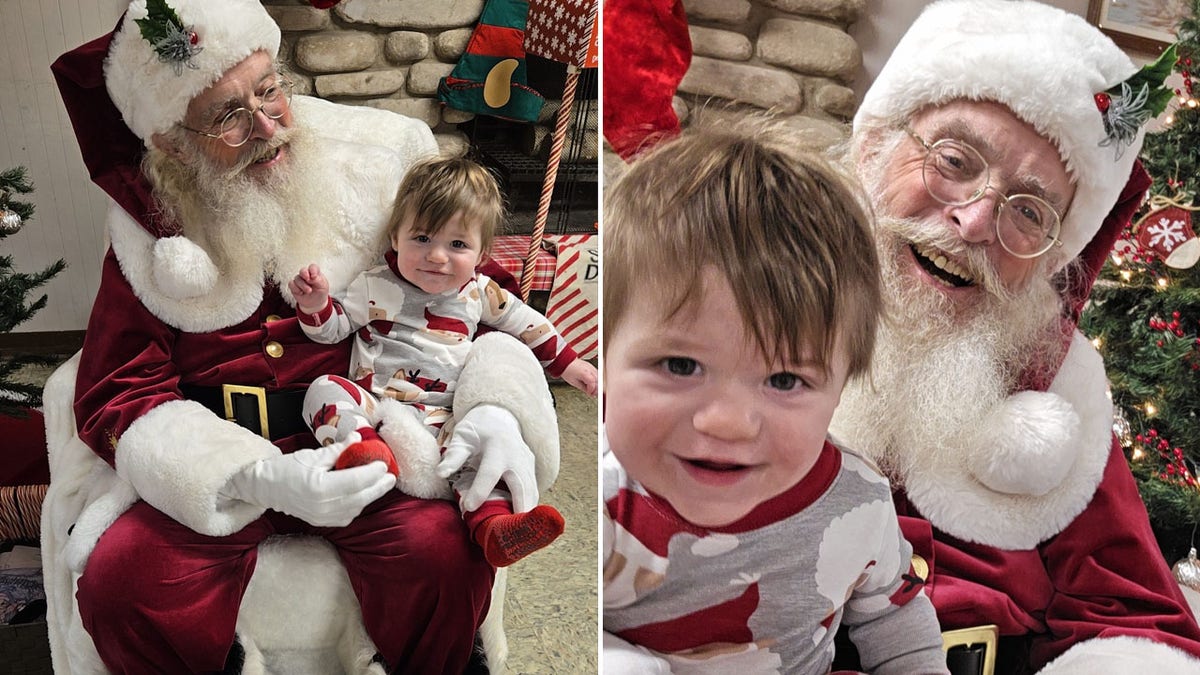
x: 10, y: 221
x: 1121, y: 428
x: 1187, y: 572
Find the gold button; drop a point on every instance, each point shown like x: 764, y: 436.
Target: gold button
x: 273, y: 317
x: 920, y: 567
x: 274, y: 349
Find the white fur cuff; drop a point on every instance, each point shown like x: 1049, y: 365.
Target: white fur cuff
x: 179, y: 455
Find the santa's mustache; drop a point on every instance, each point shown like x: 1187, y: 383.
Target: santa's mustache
x: 256, y: 150
x: 926, y: 235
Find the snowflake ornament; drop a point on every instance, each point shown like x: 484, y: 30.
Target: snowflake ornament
x: 1168, y: 234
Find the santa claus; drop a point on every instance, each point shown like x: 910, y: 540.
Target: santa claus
x: 193, y: 369
x: 999, y: 145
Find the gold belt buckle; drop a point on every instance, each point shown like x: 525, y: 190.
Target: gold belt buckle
x: 989, y: 635
x: 227, y: 392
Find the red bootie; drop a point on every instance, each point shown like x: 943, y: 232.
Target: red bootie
x: 368, y: 450
x: 505, y: 539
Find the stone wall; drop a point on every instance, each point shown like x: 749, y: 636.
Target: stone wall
x: 792, y: 57
x: 387, y: 54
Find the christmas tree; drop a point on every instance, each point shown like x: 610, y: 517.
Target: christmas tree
x: 15, y: 309
x: 1144, y: 317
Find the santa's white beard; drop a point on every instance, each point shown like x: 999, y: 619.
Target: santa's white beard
x: 246, y: 224
x: 940, y: 366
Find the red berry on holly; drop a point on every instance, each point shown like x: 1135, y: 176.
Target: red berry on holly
x: 1103, y: 101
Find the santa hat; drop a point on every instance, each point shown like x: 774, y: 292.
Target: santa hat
x: 165, y: 52
x: 1049, y: 67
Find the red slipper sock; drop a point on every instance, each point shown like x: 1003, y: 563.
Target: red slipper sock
x: 505, y: 539
x: 370, y: 449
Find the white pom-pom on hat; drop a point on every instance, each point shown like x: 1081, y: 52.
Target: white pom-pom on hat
x: 182, y: 269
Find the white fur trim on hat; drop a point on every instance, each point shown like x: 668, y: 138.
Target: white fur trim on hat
x: 151, y: 95
x: 1044, y: 64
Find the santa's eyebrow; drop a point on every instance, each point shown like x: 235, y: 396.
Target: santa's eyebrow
x: 1027, y: 185
x: 233, y: 102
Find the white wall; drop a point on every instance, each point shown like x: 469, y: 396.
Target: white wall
x: 36, y: 133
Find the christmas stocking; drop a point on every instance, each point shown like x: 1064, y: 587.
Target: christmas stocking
x: 647, y: 51
x: 490, y: 77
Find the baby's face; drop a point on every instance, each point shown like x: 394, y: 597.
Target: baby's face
x: 441, y: 262
x: 697, y: 414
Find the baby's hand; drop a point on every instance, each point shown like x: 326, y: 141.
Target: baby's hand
x: 583, y: 376
x: 311, y: 289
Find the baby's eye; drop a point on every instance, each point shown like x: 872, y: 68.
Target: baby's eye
x: 678, y: 365
x: 458, y: 243
x: 421, y: 239
x: 784, y: 381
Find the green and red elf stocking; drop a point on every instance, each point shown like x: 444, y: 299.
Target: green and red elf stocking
x: 490, y: 78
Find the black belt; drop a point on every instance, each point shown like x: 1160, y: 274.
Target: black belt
x: 270, y: 414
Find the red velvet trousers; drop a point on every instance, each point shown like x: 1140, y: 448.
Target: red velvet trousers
x: 157, y: 597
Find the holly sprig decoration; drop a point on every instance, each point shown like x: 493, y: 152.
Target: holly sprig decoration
x: 1126, y: 106
x: 172, y: 41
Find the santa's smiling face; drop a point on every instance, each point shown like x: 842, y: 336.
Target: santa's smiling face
x: 246, y: 85
x: 958, y: 340
x: 700, y: 416
x: 958, y: 253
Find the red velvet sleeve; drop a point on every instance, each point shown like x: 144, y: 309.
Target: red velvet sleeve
x: 126, y: 366
x: 1109, y: 576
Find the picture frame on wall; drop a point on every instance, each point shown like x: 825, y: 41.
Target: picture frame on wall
x: 1146, y: 26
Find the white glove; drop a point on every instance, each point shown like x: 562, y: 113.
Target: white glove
x: 301, y: 484
x: 490, y: 436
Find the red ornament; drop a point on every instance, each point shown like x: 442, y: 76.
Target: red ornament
x: 193, y: 38
x: 1103, y: 100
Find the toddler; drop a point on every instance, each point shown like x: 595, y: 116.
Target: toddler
x: 740, y: 293
x: 413, y: 319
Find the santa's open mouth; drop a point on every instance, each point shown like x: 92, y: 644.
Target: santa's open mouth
x: 940, y: 267
x: 269, y: 155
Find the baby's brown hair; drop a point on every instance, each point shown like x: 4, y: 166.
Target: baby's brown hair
x: 436, y: 188
x: 789, y: 232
